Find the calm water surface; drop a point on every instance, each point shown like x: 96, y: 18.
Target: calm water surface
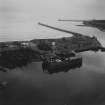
x: 82, y: 86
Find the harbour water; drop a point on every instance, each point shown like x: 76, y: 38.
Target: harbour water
x: 81, y: 86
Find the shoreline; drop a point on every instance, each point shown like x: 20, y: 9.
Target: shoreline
x: 20, y: 53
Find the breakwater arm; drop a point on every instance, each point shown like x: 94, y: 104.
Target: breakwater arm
x: 58, y: 29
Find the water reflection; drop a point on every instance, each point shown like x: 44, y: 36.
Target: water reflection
x: 82, y: 86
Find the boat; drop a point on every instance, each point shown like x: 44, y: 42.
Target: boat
x: 56, y: 64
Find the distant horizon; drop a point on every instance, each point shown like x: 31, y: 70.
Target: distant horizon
x: 18, y: 18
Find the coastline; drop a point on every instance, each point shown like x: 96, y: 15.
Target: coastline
x: 18, y: 54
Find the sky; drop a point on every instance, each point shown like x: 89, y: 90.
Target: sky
x: 19, y: 18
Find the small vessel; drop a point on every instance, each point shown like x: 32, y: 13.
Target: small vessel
x: 55, y: 64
